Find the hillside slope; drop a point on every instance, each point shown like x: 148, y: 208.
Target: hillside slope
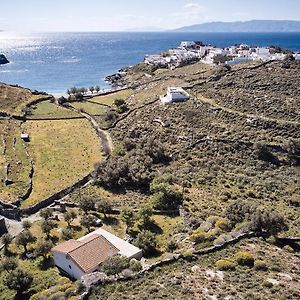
x: 247, y: 26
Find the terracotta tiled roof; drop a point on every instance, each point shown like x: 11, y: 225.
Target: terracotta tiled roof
x: 67, y: 246
x: 94, y: 250
x: 89, y: 252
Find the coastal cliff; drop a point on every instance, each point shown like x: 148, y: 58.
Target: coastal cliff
x: 3, y: 59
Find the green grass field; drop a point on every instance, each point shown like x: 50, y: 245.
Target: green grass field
x: 46, y: 109
x: 64, y: 151
x: 109, y: 99
x: 90, y: 108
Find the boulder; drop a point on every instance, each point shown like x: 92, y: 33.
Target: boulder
x: 3, y: 60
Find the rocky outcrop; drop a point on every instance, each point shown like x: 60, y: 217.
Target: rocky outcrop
x: 3, y: 60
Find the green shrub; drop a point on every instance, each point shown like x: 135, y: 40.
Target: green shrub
x: 199, y: 236
x: 222, y: 223
x: 260, y: 265
x: 146, y: 240
x: 135, y: 265
x: 244, y: 258
x: 268, y: 284
x: 225, y: 265
x: 114, y: 265
x: 288, y: 248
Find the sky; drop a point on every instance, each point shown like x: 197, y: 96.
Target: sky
x: 122, y: 15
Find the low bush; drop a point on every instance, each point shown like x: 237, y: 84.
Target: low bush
x: 135, y: 265
x: 244, y: 258
x: 260, y: 265
x: 225, y: 265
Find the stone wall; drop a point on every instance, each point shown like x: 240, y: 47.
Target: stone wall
x: 59, y: 195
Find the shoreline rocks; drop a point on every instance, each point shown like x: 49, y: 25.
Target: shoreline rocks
x: 3, y: 60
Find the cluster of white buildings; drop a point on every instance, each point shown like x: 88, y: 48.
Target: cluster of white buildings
x: 195, y: 51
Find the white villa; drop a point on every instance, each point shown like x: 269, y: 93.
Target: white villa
x: 77, y: 258
x: 175, y: 94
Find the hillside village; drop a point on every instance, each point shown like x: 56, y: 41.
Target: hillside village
x: 190, y: 51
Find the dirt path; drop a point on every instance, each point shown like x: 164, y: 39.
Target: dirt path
x: 213, y: 103
x: 106, y: 141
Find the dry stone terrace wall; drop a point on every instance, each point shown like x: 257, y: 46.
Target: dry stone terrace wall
x: 100, y: 279
x: 50, y: 200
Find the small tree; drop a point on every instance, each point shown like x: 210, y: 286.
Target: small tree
x: 26, y: 224
x: 97, y: 88
x: 165, y: 194
x: 88, y: 221
x: 18, y: 280
x: 268, y: 222
x: 129, y: 218
x: 263, y: 153
x: 115, y: 265
x: 292, y: 148
x: 146, y: 240
x: 43, y: 249
x: 74, y: 90
x: 144, y: 214
x: 121, y: 106
x: 24, y: 238
x: 104, y: 207
x: 119, y: 102
x: 47, y: 226
x: 8, y: 264
x: 87, y: 205
x: 69, y: 216
x: 78, y: 96
x: 92, y: 89
x: 46, y: 213
x: 6, y: 240
x: 66, y: 234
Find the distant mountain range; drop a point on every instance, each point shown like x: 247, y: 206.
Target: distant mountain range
x: 247, y: 26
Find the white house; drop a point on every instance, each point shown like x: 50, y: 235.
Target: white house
x: 297, y: 56
x: 175, y: 94
x: 83, y: 256
x: 239, y: 60
x: 187, y: 44
x: 155, y: 59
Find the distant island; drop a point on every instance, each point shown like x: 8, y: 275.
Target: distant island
x: 3, y: 59
x: 247, y: 26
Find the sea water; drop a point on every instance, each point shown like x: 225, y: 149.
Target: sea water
x: 54, y: 62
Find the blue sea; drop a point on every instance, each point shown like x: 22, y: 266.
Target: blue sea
x: 54, y: 62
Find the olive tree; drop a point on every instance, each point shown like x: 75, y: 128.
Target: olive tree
x: 43, y: 248
x: 146, y: 240
x: 6, y: 240
x: 69, y: 216
x: 18, y: 280
x: 24, y: 238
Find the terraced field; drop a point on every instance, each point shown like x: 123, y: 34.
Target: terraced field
x: 14, y: 162
x: 109, y: 99
x: 63, y: 151
x: 13, y: 99
x: 92, y: 108
x: 48, y: 110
